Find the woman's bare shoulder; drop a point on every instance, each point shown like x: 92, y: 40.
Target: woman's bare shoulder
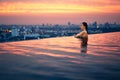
x: 84, y: 31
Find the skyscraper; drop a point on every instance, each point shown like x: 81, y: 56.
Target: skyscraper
x: 15, y: 32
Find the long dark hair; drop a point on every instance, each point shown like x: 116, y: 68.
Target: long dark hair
x: 86, y: 26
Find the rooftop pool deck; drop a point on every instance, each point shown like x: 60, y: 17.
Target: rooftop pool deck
x: 62, y: 58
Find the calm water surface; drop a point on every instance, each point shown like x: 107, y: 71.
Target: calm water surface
x: 62, y: 59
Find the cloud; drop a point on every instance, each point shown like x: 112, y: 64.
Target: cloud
x: 80, y: 2
x: 60, y: 6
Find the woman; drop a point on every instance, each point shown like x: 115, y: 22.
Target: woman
x: 83, y: 35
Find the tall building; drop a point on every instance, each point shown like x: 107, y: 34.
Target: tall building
x: 69, y: 23
x: 15, y: 32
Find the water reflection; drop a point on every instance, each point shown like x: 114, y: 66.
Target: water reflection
x: 61, y: 59
x: 83, y: 50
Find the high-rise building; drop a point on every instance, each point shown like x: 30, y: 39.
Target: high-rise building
x: 15, y: 32
x: 69, y: 23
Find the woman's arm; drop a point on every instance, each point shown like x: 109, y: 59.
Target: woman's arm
x: 79, y: 34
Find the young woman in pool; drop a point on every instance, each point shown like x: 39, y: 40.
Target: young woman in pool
x: 83, y: 35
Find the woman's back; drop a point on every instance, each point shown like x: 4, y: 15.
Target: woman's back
x: 84, y: 38
x: 84, y: 34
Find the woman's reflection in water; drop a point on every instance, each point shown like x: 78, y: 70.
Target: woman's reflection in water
x: 83, y: 50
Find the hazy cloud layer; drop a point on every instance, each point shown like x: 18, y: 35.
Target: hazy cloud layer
x: 80, y: 2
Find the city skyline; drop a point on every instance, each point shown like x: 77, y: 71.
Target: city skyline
x: 58, y: 12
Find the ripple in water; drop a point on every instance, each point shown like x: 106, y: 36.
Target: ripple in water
x: 62, y: 59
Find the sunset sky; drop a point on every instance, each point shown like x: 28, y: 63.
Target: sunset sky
x: 58, y: 11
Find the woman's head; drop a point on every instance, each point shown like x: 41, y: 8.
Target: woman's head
x: 84, y: 26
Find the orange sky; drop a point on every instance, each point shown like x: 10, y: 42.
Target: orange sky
x: 57, y: 9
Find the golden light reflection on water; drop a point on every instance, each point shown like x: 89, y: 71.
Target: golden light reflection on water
x: 63, y: 46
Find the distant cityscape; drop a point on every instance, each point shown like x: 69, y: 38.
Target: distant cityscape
x: 10, y: 33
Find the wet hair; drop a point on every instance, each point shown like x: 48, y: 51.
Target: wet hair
x: 86, y: 26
